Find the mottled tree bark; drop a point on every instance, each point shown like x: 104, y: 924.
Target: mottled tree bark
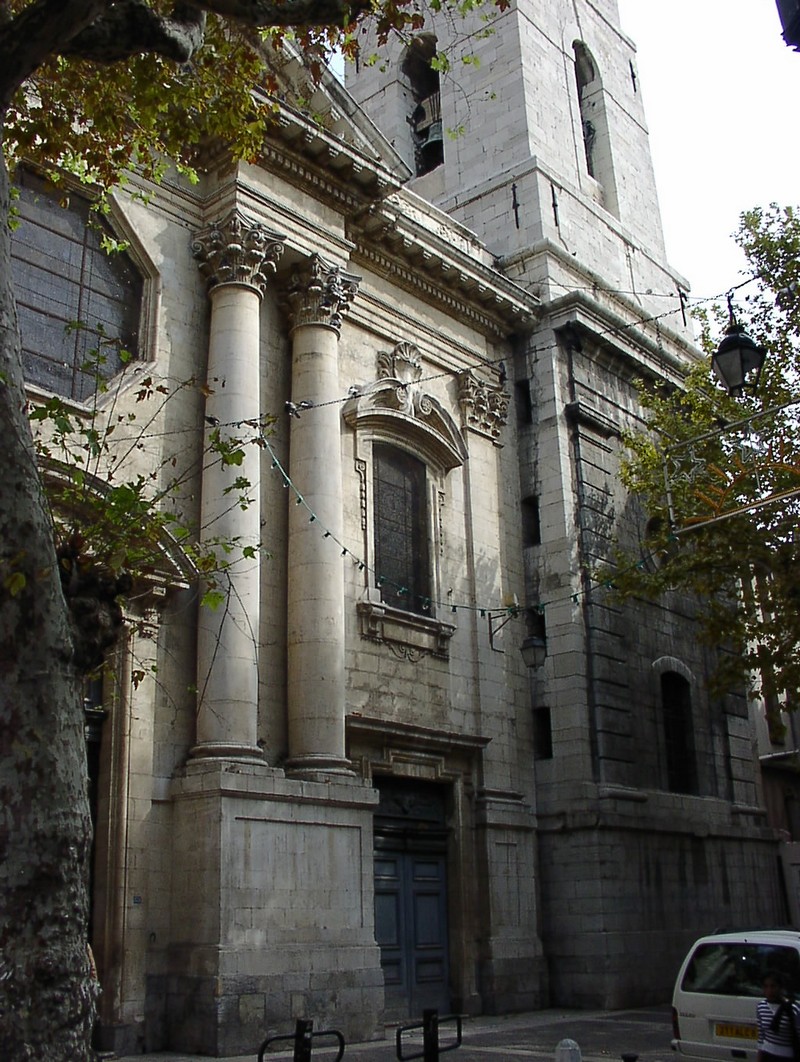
x: 45, y: 1004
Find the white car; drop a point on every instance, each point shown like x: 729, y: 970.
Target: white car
x: 719, y: 985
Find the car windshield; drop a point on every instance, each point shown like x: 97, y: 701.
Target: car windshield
x: 739, y: 969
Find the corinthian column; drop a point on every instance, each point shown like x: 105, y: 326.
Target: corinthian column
x: 237, y: 256
x: 317, y: 297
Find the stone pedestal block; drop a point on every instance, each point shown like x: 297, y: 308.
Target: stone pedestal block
x: 272, y: 915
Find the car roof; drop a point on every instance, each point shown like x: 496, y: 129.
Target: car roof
x: 755, y: 936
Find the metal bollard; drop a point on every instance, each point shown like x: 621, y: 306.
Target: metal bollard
x: 568, y: 1051
x: 430, y: 1037
x: 302, y: 1039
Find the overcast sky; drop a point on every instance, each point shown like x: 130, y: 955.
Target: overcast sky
x: 721, y: 93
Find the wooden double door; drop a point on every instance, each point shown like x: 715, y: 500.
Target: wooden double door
x: 411, y: 912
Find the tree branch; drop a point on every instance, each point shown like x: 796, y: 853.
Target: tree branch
x: 38, y: 31
x: 132, y: 27
x: 107, y: 31
x: 287, y: 12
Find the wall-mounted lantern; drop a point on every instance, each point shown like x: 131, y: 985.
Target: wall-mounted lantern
x: 534, y: 645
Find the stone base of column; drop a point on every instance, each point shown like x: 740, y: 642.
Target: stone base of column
x: 224, y: 750
x: 272, y: 911
x: 317, y: 768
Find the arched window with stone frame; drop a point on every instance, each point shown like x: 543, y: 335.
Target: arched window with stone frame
x: 407, y: 446
x: 677, y: 726
x: 401, y: 528
x: 84, y: 293
x: 594, y: 131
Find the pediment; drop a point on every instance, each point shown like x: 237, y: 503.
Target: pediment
x: 397, y: 407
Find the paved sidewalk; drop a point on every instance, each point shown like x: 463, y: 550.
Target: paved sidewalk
x: 602, y: 1036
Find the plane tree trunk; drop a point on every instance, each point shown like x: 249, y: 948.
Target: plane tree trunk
x: 46, y: 1008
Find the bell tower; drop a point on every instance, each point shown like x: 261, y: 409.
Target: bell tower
x: 531, y: 129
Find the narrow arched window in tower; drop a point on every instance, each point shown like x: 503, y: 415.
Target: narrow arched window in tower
x: 594, y: 125
x: 586, y: 76
x: 425, y: 118
x: 676, y: 705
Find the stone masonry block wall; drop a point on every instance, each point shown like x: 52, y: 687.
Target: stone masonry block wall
x: 274, y: 920
x: 614, y: 899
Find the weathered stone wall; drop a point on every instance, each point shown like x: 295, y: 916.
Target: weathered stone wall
x: 624, y: 895
x: 623, y: 860
x: 233, y: 897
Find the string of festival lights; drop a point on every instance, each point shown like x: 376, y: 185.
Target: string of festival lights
x: 496, y: 363
x: 452, y: 605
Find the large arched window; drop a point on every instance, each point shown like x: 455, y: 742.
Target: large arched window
x: 79, y: 306
x: 406, y: 445
x: 402, y: 552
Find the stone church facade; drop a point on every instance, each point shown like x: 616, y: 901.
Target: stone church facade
x: 341, y: 794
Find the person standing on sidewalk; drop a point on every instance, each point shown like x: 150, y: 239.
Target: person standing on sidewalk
x: 778, y: 1018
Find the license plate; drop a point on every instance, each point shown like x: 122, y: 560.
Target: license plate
x: 736, y: 1032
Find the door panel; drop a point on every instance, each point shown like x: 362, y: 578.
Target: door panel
x: 411, y: 929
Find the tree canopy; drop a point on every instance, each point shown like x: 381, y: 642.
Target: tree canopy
x: 719, y: 478
x: 184, y: 73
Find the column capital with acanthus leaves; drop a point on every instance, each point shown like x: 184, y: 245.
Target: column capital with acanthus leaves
x: 238, y: 250
x: 319, y: 294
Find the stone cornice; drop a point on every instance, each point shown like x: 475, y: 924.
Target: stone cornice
x: 606, y: 300
x: 314, y: 159
x: 466, y: 297
x: 394, y: 232
x: 424, y: 250
x: 626, y: 339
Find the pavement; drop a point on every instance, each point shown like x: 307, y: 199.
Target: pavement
x: 602, y: 1036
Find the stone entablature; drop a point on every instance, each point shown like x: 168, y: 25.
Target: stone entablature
x: 444, y: 265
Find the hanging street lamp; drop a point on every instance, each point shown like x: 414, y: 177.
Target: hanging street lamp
x: 739, y: 359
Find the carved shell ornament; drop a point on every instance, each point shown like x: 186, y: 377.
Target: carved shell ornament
x: 404, y: 365
x: 397, y: 394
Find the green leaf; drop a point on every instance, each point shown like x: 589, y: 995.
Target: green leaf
x: 15, y: 583
x: 212, y: 599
